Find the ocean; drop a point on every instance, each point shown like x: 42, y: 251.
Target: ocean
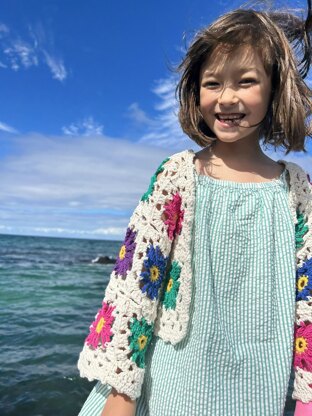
x: 50, y: 292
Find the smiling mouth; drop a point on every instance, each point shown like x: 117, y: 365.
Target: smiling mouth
x: 231, y: 121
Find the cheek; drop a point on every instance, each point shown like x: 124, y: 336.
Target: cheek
x: 206, y: 102
x: 255, y: 98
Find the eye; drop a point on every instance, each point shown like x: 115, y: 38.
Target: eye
x: 210, y: 84
x: 248, y: 81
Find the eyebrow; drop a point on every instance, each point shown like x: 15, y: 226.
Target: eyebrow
x: 240, y: 71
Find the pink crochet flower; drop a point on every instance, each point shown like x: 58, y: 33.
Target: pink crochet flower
x: 303, y: 346
x: 100, y: 329
x: 174, y: 216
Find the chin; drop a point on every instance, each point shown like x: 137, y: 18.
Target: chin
x: 229, y: 140
x: 229, y: 137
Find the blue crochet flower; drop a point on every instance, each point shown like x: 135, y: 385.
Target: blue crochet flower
x: 304, y: 281
x: 153, y: 275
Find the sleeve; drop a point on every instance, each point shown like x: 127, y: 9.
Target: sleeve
x: 303, y: 409
x: 302, y: 357
x: 114, y: 351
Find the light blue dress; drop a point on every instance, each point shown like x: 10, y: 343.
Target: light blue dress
x: 236, y: 358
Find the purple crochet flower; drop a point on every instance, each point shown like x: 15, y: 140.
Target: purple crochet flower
x: 155, y: 267
x: 126, y: 252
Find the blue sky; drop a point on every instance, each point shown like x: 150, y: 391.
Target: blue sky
x: 88, y: 109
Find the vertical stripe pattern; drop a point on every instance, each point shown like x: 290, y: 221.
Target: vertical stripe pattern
x: 236, y: 358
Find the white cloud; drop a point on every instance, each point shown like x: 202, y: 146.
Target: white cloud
x: 7, y: 128
x: 56, y: 66
x: 35, y: 49
x: 110, y: 231
x: 5, y: 228
x: 21, y: 54
x: 87, y: 127
x: 138, y: 115
x: 82, y: 186
x: 163, y: 129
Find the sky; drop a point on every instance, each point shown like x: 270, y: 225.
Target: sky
x: 88, y: 109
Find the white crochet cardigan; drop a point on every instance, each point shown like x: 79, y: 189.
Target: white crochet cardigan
x: 149, y: 291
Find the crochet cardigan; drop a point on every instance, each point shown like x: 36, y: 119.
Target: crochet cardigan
x: 149, y: 290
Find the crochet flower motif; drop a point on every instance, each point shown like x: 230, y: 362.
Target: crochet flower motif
x: 172, y: 286
x: 174, y: 216
x: 300, y: 229
x: 100, y: 329
x: 141, y: 336
x: 153, y: 180
x: 304, y: 281
x: 155, y: 267
x: 126, y: 252
x: 303, y: 346
x: 308, y: 176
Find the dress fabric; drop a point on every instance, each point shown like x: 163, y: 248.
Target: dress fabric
x: 236, y: 358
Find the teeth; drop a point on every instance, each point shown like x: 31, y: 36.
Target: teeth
x: 229, y: 117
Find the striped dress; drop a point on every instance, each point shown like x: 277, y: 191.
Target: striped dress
x: 236, y: 358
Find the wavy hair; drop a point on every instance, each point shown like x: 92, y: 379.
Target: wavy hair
x: 285, y: 48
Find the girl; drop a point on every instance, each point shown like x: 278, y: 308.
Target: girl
x: 208, y: 307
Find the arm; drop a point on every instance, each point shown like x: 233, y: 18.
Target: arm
x: 119, y: 405
x: 114, y: 351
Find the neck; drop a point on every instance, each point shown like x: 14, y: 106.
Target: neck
x: 239, y: 152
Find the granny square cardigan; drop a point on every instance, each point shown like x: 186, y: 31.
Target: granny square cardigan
x: 150, y: 287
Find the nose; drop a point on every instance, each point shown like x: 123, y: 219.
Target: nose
x: 227, y: 96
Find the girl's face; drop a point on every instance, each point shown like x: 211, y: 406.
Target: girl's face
x: 234, y: 85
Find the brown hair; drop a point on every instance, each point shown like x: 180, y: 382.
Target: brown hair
x: 284, y: 44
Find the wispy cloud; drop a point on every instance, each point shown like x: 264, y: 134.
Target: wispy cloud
x: 32, y: 50
x: 20, y: 53
x: 8, y: 129
x: 137, y: 115
x: 56, y: 66
x: 86, y: 127
x: 82, y: 186
x: 162, y: 129
x: 100, y: 232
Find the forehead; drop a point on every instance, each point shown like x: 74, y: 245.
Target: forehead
x: 240, y: 60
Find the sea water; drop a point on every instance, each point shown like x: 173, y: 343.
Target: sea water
x: 50, y: 292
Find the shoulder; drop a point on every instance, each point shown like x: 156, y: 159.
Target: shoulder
x: 168, y: 175
x: 176, y: 162
x: 300, y: 190
x: 181, y: 157
x: 298, y: 175
x: 293, y: 167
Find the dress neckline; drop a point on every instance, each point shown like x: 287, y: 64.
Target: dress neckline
x: 278, y: 181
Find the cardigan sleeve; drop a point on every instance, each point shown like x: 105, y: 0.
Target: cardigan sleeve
x: 303, y: 409
x: 302, y: 357
x: 115, y: 348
